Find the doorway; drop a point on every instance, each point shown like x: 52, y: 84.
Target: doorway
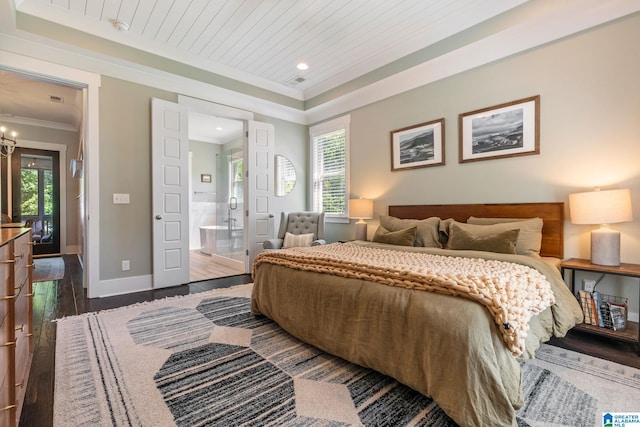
x: 35, y: 182
x: 216, y: 201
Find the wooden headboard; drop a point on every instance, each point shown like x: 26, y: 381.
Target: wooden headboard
x: 552, y: 215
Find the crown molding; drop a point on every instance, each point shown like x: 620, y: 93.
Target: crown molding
x: 38, y: 123
x: 566, y: 19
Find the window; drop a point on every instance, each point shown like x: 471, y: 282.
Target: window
x: 329, y: 168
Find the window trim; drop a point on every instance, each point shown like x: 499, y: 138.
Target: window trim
x: 338, y: 123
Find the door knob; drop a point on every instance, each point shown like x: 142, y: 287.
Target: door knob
x: 270, y: 215
x: 158, y: 217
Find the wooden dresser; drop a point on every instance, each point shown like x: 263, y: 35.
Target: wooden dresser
x: 16, y: 324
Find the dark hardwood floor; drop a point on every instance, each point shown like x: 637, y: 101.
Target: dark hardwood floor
x: 53, y: 300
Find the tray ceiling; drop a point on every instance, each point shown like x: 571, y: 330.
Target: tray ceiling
x: 261, y: 42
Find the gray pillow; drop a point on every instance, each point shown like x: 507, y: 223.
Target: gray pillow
x: 401, y: 237
x: 504, y: 242
x: 530, y: 238
x: 427, y: 230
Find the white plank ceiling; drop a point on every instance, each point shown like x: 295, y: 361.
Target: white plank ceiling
x: 261, y: 41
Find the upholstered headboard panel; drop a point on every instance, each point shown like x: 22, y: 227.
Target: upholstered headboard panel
x: 552, y: 215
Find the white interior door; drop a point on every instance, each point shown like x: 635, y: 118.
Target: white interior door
x: 260, y: 186
x: 170, y: 181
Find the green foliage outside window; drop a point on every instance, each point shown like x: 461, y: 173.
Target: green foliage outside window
x: 29, y: 199
x: 333, y: 200
x: 29, y: 202
x: 330, y: 161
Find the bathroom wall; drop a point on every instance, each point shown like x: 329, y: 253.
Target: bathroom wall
x: 202, y: 189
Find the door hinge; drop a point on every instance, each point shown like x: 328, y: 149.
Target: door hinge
x: 247, y: 252
x: 246, y: 213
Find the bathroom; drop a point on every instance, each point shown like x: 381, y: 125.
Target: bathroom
x: 216, y: 240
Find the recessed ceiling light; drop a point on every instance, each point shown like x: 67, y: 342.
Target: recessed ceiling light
x: 302, y: 66
x: 120, y: 25
x: 218, y: 128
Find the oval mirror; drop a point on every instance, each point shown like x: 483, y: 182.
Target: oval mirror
x: 285, y: 175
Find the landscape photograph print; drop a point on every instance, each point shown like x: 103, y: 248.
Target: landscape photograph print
x: 504, y: 130
x: 418, y: 146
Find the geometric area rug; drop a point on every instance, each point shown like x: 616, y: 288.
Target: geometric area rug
x: 203, y: 359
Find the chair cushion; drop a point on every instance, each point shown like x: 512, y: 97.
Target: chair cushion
x: 297, y: 240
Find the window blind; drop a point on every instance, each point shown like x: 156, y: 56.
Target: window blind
x: 329, y: 171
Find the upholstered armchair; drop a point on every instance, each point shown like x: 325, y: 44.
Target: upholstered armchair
x: 299, y: 225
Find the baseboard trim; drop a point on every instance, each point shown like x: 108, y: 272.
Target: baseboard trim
x: 125, y: 285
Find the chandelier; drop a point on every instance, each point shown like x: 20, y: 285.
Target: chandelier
x: 7, y: 145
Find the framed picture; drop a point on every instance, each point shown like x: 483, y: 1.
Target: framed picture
x: 418, y: 146
x: 505, y: 130
x: 205, y: 177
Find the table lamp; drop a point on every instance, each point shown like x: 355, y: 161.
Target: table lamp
x: 602, y: 207
x: 361, y: 209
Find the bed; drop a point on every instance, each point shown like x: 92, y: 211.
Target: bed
x: 437, y: 331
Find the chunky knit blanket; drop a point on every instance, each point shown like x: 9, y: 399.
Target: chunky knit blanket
x: 512, y: 293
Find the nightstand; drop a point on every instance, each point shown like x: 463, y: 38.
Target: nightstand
x: 631, y: 333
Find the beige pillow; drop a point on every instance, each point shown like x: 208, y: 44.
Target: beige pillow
x: 504, y: 242
x: 530, y: 237
x: 297, y: 240
x: 427, y: 230
x: 404, y: 237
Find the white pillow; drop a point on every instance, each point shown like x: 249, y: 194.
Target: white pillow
x: 293, y: 240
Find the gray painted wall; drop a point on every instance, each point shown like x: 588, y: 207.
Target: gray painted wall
x: 125, y: 167
x: 589, y: 131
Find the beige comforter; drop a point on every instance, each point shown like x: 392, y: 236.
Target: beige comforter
x: 446, y: 347
x: 511, y: 292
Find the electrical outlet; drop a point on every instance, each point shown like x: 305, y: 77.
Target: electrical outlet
x: 126, y: 266
x: 588, y: 285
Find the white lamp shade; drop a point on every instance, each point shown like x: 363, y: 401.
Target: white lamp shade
x: 361, y: 208
x: 601, y: 207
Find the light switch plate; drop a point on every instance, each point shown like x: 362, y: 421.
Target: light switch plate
x: 120, y: 199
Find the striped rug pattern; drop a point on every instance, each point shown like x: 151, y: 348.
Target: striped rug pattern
x: 205, y: 360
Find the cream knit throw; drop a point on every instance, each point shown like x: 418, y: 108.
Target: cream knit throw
x: 511, y: 292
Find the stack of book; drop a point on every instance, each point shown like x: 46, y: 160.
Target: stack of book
x: 605, y: 311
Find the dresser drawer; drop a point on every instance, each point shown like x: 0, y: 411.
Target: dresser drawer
x: 23, y: 359
x: 6, y: 287
x: 22, y: 250
x: 21, y: 316
x: 5, y: 416
x: 5, y: 352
